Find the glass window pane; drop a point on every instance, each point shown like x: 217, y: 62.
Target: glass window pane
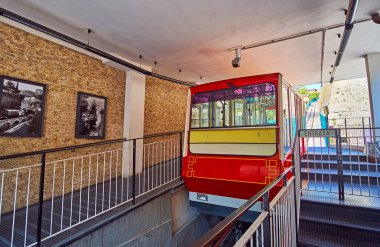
x: 194, y: 117
x: 205, y: 115
x: 236, y: 106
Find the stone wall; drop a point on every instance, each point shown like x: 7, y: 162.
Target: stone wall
x: 347, y: 99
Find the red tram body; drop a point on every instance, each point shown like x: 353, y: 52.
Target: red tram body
x: 239, y: 134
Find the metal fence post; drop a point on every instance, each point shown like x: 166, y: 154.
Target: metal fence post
x: 41, y: 199
x: 364, y: 135
x: 340, y: 164
x: 345, y: 128
x: 296, y: 161
x: 285, y: 181
x: 180, y: 154
x: 266, y: 224
x: 134, y: 173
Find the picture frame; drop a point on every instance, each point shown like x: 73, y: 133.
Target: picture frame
x: 90, y: 116
x: 22, y: 107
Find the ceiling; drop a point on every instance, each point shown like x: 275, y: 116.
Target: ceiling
x: 196, y: 35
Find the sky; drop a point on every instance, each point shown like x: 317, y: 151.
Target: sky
x: 313, y: 86
x: 316, y: 86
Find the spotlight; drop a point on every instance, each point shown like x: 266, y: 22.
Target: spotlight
x: 376, y: 18
x: 236, y: 60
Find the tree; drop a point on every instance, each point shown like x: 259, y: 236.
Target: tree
x: 313, y: 96
x: 302, y: 90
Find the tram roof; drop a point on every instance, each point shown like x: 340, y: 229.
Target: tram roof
x: 196, y: 36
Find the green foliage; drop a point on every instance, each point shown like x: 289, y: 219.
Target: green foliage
x: 271, y: 116
x: 313, y: 95
x: 302, y: 90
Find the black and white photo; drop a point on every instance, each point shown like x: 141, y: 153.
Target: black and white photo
x: 22, y: 105
x: 91, y: 116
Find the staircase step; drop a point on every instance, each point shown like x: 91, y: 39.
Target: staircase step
x: 332, y: 156
x: 347, y: 165
x: 361, y: 173
x: 317, y: 234
x: 364, y: 177
x: 327, y: 224
x: 360, y: 219
x: 349, y: 188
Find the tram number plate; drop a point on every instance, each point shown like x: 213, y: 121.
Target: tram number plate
x: 317, y: 133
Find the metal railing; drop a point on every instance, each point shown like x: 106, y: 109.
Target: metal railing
x: 282, y: 215
x: 277, y: 224
x: 347, y: 164
x: 68, y: 186
x: 353, y: 122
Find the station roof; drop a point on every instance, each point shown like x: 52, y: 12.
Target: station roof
x: 196, y: 36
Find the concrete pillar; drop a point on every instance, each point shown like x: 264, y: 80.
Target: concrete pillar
x: 133, y: 114
x: 133, y: 120
x: 373, y: 74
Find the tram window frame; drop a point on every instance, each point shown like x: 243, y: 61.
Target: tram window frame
x: 286, y: 115
x: 231, y: 123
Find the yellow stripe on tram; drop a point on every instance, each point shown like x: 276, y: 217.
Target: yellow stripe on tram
x: 267, y: 135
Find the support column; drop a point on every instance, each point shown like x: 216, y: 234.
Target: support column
x: 133, y: 120
x: 373, y: 74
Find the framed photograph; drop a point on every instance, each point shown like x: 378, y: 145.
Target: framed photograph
x: 22, y: 107
x: 91, y: 116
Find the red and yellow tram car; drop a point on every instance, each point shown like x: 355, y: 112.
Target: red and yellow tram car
x: 239, y: 134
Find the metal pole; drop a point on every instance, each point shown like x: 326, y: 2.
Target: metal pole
x: 180, y: 154
x: 134, y: 173
x: 284, y: 181
x: 295, y: 191
x: 364, y: 138
x: 41, y: 198
x: 340, y: 164
x: 267, y: 237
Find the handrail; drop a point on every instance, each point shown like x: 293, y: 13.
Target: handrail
x: 228, y: 222
x: 43, y: 163
x: 53, y: 150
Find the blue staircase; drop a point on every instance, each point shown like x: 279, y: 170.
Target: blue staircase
x: 326, y: 221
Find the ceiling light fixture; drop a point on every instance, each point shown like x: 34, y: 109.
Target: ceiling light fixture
x: 376, y: 18
x: 236, y: 60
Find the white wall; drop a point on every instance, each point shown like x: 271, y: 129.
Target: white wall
x: 133, y: 120
x: 373, y: 74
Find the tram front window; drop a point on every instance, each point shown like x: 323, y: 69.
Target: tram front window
x: 253, y: 105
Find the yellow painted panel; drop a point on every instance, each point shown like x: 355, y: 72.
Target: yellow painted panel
x: 264, y: 135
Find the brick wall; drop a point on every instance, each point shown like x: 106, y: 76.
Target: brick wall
x: 165, y: 106
x: 65, y: 72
